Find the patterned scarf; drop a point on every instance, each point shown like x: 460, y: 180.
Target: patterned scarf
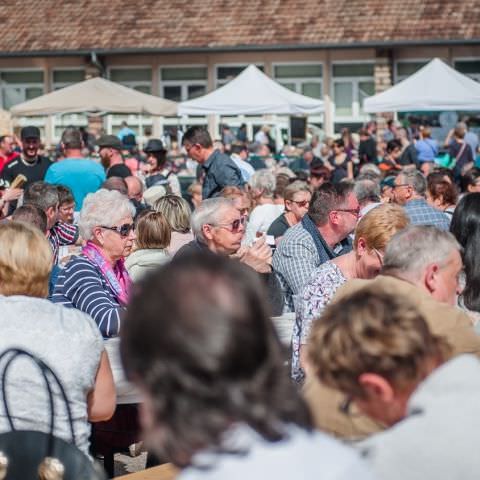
x: 117, y: 277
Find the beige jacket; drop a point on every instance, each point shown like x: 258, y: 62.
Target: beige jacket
x: 443, y: 320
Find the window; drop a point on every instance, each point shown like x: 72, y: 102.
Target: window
x: 183, y: 83
x: 351, y: 84
x: 469, y: 67
x: 305, y: 79
x: 225, y: 73
x: 63, y: 78
x: 20, y: 85
x: 405, y: 69
x: 134, y: 77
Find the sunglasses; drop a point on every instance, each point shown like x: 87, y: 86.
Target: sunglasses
x: 122, y: 230
x: 233, y: 227
x: 302, y: 203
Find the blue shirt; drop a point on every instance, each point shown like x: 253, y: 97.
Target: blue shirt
x: 427, y: 150
x: 81, y: 175
x: 421, y: 213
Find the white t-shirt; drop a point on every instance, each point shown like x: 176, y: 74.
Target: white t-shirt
x: 303, y: 455
x: 69, y: 342
x: 260, y: 220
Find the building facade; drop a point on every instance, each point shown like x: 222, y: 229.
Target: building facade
x: 350, y: 52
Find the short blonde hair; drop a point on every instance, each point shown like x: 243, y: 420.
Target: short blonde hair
x: 152, y: 231
x: 379, y: 225
x: 176, y: 210
x: 25, y: 260
x: 372, y: 331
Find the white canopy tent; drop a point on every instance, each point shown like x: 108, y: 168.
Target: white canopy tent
x: 251, y: 93
x: 96, y: 95
x: 435, y: 87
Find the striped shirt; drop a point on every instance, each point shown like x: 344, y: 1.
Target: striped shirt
x: 81, y: 285
x: 61, y: 234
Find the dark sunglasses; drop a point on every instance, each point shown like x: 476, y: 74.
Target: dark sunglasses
x: 233, y: 227
x: 302, y: 204
x: 122, y: 230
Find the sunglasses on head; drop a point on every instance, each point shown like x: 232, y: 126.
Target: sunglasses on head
x: 122, y: 230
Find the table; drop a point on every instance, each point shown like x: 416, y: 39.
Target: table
x: 163, y: 472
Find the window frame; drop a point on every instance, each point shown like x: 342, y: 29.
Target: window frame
x: 23, y: 86
x: 298, y: 81
x: 475, y: 76
x: 396, y: 76
x: 357, y: 116
x: 221, y: 83
x: 132, y: 83
x: 183, y: 84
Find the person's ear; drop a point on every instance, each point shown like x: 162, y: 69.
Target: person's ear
x: 207, y: 231
x: 376, y: 388
x: 361, y: 246
x: 431, y: 277
x: 333, y: 217
x: 98, y: 234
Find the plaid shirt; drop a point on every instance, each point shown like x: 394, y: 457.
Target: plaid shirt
x: 295, y: 258
x: 421, y: 213
x: 61, y: 234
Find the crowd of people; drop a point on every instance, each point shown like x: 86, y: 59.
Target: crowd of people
x: 157, y: 302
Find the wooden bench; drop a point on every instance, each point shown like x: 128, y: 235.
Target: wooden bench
x: 163, y: 472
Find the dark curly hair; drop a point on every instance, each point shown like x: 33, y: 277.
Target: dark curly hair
x: 198, y: 339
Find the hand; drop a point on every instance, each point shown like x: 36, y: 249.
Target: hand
x: 258, y: 256
x: 12, y: 194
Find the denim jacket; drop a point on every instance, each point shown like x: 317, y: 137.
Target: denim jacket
x: 220, y: 171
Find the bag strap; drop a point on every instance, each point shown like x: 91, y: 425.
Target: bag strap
x: 46, y: 372
x: 460, y: 152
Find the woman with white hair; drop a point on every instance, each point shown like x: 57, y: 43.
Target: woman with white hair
x: 96, y: 282
x: 262, y: 187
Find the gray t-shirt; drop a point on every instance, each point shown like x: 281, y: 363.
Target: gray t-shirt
x: 69, y: 342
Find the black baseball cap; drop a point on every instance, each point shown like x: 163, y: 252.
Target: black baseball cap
x: 29, y: 132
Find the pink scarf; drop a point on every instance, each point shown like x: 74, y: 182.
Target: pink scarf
x: 117, y: 277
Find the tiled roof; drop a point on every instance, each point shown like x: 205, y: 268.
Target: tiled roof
x: 104, y: 25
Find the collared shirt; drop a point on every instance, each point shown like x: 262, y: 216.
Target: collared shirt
x: 294, y: 261
x: 421, y: 213
x: 220, y: 172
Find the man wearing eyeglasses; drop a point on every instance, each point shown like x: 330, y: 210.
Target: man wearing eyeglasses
x: 220, y: 171
x: 320, y: 236
x: 381, y: 351
x: 409, y: 190
x: 219, y: 228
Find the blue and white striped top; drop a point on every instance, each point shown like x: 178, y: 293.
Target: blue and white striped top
x: 81, y: 285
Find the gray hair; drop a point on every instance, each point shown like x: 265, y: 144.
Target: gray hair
x: 366, y: 191
x: 104, y: 207
x: 41, y: 194
x: 263, y: 180
x: 209, y: 212
x: 416, y: 180
x: 412, y: 249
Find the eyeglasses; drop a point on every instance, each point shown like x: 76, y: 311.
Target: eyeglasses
x: 122, y: 230
x: 233, y: 227
x: 353, y: 211
x: 188, y: 147
x: 395, y: 185
x: 302, y: 203
x: 379, y: 254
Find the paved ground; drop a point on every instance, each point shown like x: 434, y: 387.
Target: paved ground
x: 124, y: 464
